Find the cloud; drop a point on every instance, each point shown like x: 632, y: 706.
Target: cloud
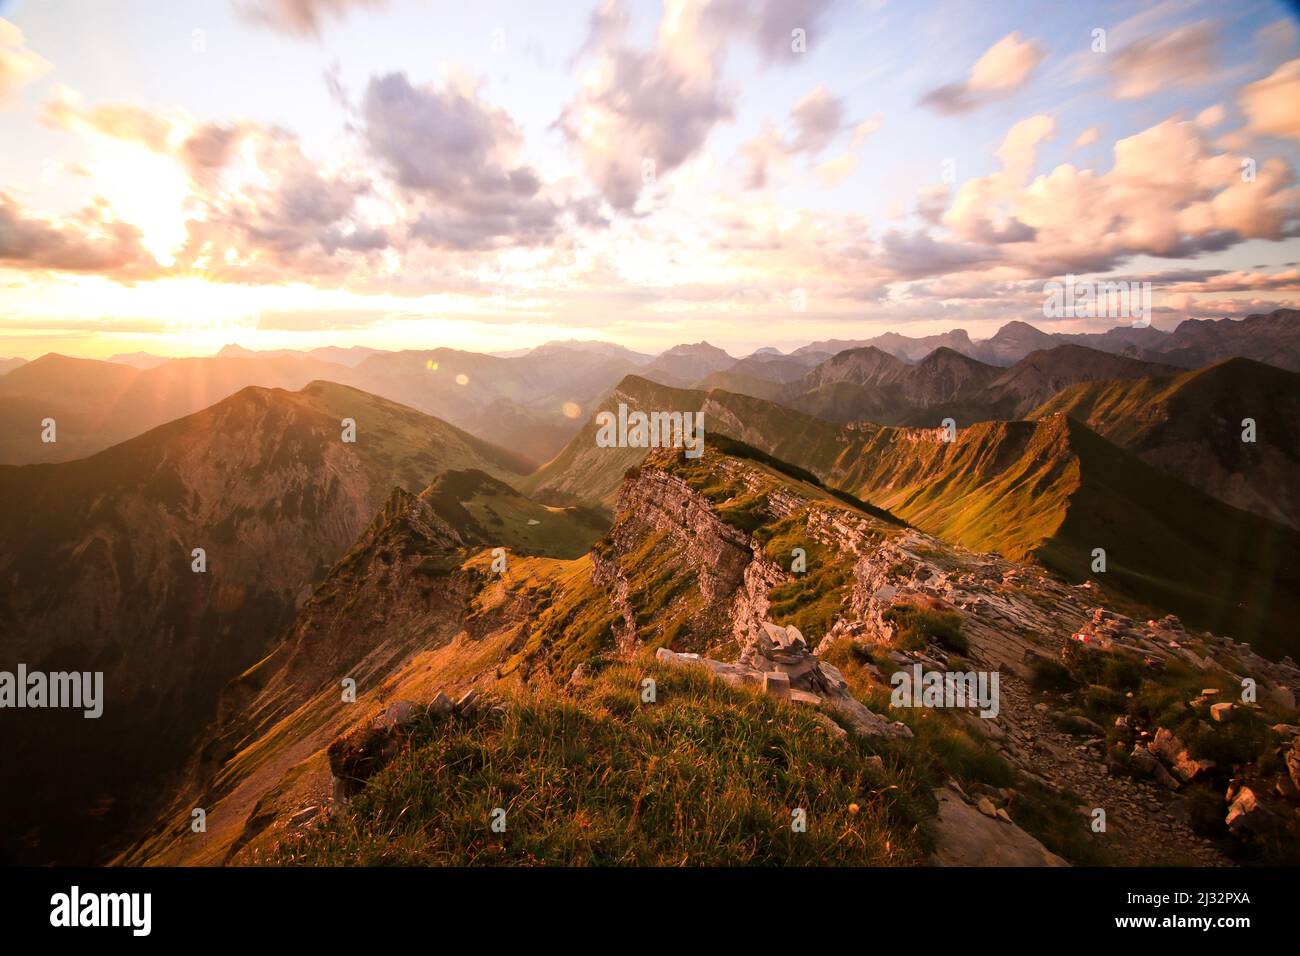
x: 1088, y: 136
x: 834, y: 171
x: 765, y: 152
x: 1211, y: 116
x: 1003, y: 69
x: 202, y: 149
x: 817, y: 119
x: 771, y: 24
x: 640, y: 114
x: 932, y: 202
x: 441, y: 170
x: 301, y: 17
x: 458, y: 158
x: 91, y: 241
x: 18, y: 65
x: 916, y: 255
x: 1158, y: 61
x: 1167, y: 194
x: 983, y: 209
x: 1277, y: 40
x: 1242, y: 281
x: 276, y: 216
x: 122, y: 121
x: 1270, y: 104
x: 270, y: 215
x: 209, y: 148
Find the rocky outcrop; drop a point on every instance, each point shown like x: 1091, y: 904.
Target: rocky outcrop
x: 778, y: 661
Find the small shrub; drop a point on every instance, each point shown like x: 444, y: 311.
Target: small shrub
x: 1050, y: 675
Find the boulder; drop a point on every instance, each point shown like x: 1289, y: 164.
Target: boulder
x: 1078, y: 724
x: 1280, y: 696
x: 1245, y: 813
x: 1166, y: 746
x: 1222, y: 712
x: 1146, y: 764
x: 357, y: 756
x: 833, y: 730
x: 399, y: 714
x: 305, y: 815
x: 963, y: 836
x: 1188, y: 769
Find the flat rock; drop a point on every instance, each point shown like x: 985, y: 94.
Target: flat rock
x: 965, y: 837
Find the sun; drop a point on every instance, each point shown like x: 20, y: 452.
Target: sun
x: 143, y: 188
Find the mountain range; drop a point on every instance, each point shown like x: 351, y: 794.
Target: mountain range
x: 348, y: 535
x: 534, y: 402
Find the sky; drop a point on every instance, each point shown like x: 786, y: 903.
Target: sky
x: 176, y: 176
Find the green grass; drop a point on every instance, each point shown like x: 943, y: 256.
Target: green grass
x: 919, y: 626
x: 811, y: 600
x: 707, y: 775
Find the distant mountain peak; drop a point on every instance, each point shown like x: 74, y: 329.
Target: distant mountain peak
x: 695, y: 348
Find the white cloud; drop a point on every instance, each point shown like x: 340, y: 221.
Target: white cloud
x: 1001, y: 70
x: 1270, y: 104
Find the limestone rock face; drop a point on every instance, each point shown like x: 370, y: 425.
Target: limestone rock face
x: 968, y: 836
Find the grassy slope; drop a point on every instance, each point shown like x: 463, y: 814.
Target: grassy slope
x: 492, y: 513
x: 142, y: 492
x: 706, y: 775
x: 1001, y: 486
x: 416, y: 445
x: 1054, y: 490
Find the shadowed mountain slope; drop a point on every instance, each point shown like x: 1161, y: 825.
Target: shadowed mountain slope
x: 1191, y: 426
x: 96, y: 574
